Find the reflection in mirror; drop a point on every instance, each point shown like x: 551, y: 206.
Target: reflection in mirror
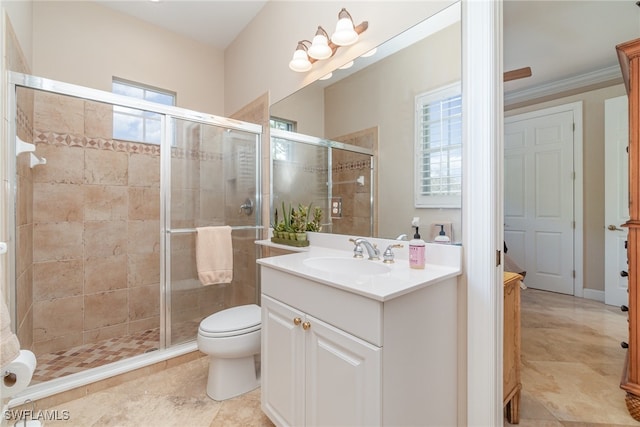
x: 376, y: 107
x: 330, y: 175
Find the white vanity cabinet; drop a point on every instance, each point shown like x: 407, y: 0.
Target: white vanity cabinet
x: 335, y: 357
x: 306, y: 361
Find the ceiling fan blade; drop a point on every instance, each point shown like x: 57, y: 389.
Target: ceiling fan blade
x: 520, y: 73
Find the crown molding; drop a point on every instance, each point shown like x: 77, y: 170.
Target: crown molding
x: 563, y: 85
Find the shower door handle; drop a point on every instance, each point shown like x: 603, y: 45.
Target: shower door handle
x: 247, y: 207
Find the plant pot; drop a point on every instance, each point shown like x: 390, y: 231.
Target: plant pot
x: 301, y: 236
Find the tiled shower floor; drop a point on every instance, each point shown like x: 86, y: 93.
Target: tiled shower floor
x: 77, y: 359
x: 82, y: 357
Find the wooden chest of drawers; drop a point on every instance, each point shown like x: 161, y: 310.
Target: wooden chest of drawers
x: 511, y: 384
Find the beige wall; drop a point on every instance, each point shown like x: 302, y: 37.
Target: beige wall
x: 87, y: 44
x: 306, y: 108
x: 20, y: 13
x: 593, y: 171
x: 268, y: 43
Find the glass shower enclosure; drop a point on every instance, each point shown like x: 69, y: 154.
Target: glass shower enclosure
x: 335, y: 176
x: 103, y: 245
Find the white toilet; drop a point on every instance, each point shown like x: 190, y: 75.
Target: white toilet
x: 231, y: 339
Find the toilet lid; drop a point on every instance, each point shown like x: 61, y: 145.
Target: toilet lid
x: 240, y: 319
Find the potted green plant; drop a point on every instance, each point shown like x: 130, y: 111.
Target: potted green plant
x: 299, y: 222
x: 315, y: 224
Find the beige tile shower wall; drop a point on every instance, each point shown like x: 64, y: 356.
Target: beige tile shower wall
x: 208, y: 186
x: 96, y: 231
x: 24, y: 224
x: 356, y: 199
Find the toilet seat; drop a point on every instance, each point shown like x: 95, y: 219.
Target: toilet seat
x: 231, y: 322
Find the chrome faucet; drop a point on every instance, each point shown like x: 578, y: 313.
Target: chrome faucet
x: 402, y: 237
x: 372, y: 250
x: 388, y: 255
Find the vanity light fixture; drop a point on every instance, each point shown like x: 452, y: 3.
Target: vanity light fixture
x: 326, y: 76
x: 345, y: 33
x: 322, y: 47
x: 300, y: 61
x: 347, y: 65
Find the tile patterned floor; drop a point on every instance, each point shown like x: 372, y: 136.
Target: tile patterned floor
x: 79, y: 358
x: 571, y: 365
x: 82, y: 357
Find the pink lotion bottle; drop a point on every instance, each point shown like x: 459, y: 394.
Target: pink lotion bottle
x: 416, y: 251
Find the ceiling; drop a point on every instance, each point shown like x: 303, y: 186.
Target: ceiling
x: 559, y: 40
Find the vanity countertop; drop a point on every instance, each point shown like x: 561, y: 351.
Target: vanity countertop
x: 398, y: 280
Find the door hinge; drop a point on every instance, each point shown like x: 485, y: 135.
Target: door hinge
x: 573, y: 225
x: 573, y: 274
x: 498, y: 258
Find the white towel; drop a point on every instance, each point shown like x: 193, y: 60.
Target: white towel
x: 9, y: 345
x: 214, y: 255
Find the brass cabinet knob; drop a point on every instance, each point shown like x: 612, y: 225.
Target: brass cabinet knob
x: 306, y: 325
x: 297, y: 321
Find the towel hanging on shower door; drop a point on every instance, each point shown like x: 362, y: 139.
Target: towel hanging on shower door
x: 214, y: 255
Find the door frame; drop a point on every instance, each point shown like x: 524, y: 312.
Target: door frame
x: 610, y: 288
x: 578, y: 185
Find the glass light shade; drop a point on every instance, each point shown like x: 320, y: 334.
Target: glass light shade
x: 345, y: 34
x: 370, y: 53
x: 320, y: 47
x: 347, y: 65
x: 300, y: 61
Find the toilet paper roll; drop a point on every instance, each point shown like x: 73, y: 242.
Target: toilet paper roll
x: 19, y: 371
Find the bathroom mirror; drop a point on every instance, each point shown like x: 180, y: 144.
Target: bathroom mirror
x: 373, y: 105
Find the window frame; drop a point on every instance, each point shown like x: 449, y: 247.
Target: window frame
x: 282, y: 149
x: 143, y: 115
x: 425, y: 201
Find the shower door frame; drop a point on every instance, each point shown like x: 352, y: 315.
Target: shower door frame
x: 15, y: 80
x: 325, y: 143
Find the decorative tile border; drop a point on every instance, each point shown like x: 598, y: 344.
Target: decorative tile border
x: 353, y: 165
x: 69, y: 140
x: 278, y: 164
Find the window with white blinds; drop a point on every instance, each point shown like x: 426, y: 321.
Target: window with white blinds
x: 438, y: 149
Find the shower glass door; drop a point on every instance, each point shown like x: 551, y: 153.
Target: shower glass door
x: 212, y: 180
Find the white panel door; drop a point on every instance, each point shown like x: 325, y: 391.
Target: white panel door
x: 616, y: 211
x: 343, y: 375
x: 282, y: 378
x: 538, y: 199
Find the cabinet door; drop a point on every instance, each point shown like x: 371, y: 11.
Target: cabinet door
x: 282, y: 357
x: 343, y: 378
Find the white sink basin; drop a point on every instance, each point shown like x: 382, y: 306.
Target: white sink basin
x: 354, y: 266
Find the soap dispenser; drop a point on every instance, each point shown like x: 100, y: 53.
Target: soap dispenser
x: 416, y: 251
x: 442, y: 237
